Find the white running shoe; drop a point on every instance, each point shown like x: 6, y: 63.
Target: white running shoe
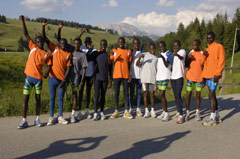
x: 87, y: 115
x: 166, y: 117
x: 72, y: 119
x: 102, y: 116
x: 147, y: 114
x: 50, y: 121
x: 95, y: 117
x: 61, y: 120
x: 153, y: 114
x: 161, y: 116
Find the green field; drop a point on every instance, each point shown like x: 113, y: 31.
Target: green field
x: 12, y: 66
x: 11, y: 32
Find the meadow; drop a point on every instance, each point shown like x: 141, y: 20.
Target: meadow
x: 12, y: 66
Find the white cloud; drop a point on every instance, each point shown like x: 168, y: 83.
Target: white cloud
x: 160, y: 24
x: 111, y: 4
x: 46, y: 5
x: 165, y: 3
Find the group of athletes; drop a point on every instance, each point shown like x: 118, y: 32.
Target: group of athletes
x: 80, y: 65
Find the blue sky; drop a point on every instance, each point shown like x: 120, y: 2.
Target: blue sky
x: 153, y: 16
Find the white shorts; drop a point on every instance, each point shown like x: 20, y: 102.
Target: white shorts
x: 148, y: 86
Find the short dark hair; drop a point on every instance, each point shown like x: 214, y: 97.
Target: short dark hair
x: 87, y: 40
x: 178, y: 42
x: 104, y: 40
x: 39, y: 37
x: 152, y: 44
x: 64, y: 39
x: 163, y: 43
x: 198, y: 41
x: 211, y: 33
x: 78, y: 39
x: 123, y: 39
x: 137, y: 39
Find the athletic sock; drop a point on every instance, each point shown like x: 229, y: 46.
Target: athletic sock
x: 37, y: 118
x: 24, y: 119
x: 101, y: 113
x: 138, y: 109
x: 73, y: 112
x: 152, y: 109
x: 125, y: 111
x: 187, y: 111
x: 146, y: 109
x: 197, y: 111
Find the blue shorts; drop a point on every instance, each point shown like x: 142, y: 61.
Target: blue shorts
x: 31, y: 82
x: 211, y: 84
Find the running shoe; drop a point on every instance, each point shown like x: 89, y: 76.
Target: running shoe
x: 61, y: 120
x: 72, y: 119
x: 187, y: 117
x: 166, y: 117
x: 79, y: 116
x: 114, y: 115
x: 127, y: 115
x: 198, y: 117
x: 37, y: 123
x: 153, y: 114
x: 147, y: 114
x: 161, y: 116
x: 50, y: 121
x: 95, y: 117
x: 102, y: 116
x: 210, y: 122
x: 23, y: 125
x: 180, y: 119
x: 139, y: 113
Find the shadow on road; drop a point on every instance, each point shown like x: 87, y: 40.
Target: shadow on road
x: 147, y: 147
x: 67, y: 146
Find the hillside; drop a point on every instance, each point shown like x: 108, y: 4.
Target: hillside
x: 11, y: 32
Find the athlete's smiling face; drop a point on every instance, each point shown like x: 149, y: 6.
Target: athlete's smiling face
x: 152, y: 49
x: 121, y: 43
x: 103, y: 45
x: 63, y: 44
x: 40, y: 42
x: 136, y: 44
x: 162, y: 47
x: 210, y: 38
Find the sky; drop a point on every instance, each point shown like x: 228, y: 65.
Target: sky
x: 156, y: 17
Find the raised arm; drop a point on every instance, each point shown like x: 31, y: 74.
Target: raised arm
x: 21, y: 17
x: 44, y: 33
x: 60, y: 26
x: 83, y: 31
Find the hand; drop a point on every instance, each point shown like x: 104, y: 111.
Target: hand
x: 45, y: 22
x: 21, y: 17
x: 80, y: 86
x: 205, y: 52
x: 110, y: 84
x: 160, y: 55
x: 129, y: 79
x: 215, y: 79
x: 61, y: 84
x: 190, y: 56
x: 85, y: 29
x: 142, y: 56
x: 60, y: 25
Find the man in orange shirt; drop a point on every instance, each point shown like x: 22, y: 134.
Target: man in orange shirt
x: 212, y: 72
x: 121, y: 58
x: 33, y: 70
x: 61, y: 60
x: 194, y: 77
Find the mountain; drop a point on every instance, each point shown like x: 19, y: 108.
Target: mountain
x: 125, y: 29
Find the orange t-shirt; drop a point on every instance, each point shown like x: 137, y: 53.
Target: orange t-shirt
x: 36, y: 60
x: 215, y: 61
x: 60, y: 59
x: 194, y: 72
x: 121, y: 59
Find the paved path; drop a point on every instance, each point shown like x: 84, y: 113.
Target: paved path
x: 127, y: 139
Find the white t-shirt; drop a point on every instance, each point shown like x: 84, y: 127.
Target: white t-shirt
x: 163, y: 72
x: 148, y: 66
x: 178, y: 68
x: 91, y: 64
x: 135, y: 69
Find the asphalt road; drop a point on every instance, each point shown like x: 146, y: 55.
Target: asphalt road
x: 128, y: 139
